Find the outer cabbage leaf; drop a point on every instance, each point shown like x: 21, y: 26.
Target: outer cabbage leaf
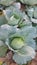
x: 3, y: 50
x: 2, y: 19
x: 5, y: 31
x: 29, y: 2
x: 6, y: 2
x: 29, y: 53
x: 36, y: 38
x: 32, y: 13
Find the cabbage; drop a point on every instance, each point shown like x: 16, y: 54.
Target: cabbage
x: 15, y: 16
x: 17, y: 43
x: 22, y: 44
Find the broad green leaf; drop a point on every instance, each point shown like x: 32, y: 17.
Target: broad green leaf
x: 35, y: 12
x: 36, y: 37
x: 36, y: 42
x: 2, y: 19
x: 29, y: 53
x: 1, y: 43
x: 17, y: 5
x: 6, y: 2
x: 29, y: 2
x: 3, y: 50
x: 36, y: 31
x: 35, y: 25
x: 32, y: 11
x: 5, y: 30
x: 24, y: 23
x: 29, y: 35
x: 26, y: 51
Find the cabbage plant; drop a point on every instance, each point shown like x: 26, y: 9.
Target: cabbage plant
x: 17, y: 34
x: 22, y: 43
x: 15, y: 16
x: 32, y: 13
